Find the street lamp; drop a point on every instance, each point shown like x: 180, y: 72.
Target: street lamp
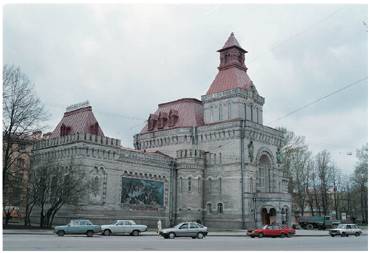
x: 254, y: 209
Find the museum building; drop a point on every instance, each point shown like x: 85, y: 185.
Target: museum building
x: 210, y: 160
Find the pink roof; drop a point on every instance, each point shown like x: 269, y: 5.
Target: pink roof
x: 228, y: 79
x: 189, y: 112
x: 78, y: 121
x: 231, y: 42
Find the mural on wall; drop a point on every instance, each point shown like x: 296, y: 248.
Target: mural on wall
x: 142, y: 192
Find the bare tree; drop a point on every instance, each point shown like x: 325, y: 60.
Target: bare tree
x: 53, y: 185
x: 324, y: 174
x: 22, y: 113
x: 360, y: 177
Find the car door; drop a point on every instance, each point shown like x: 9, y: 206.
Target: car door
x: 118, y: 227
x: 348, y: 229
x: 126, y: 227
x: 83, y: 227
x: 183, y: 230
x: 193, y: 229
x: 268, y: 231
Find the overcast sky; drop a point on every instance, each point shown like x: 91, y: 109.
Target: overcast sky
x: 126, y: 59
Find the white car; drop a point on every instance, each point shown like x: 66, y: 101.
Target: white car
x: 123, y: 227
x: 345, y: 230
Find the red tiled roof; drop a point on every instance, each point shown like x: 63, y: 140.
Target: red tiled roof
x: 230, y: 78
x: 189, y: 112
x: 79, y: 121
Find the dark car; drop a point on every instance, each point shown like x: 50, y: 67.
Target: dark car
x: 185, y: 229
x: 272, y: 231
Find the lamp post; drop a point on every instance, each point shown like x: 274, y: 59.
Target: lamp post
x: 254, y: 214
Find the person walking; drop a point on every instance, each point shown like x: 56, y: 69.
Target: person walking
x: 159, y: 226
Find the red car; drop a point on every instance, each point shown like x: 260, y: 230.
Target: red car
x: 272, y: 231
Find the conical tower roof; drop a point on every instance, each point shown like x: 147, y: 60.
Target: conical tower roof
x: 232, y: 70
x: 231, y: 42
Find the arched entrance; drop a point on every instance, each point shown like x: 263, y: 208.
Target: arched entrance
x: 268, y: 216
x: 284, y: 215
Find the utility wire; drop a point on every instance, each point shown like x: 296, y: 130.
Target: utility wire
x: 320, y: 99
x: 297, y: 34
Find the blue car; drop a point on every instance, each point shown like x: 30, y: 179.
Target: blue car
x: 77, y: 227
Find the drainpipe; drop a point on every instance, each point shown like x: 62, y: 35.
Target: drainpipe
x: 203, y: 188
x: 173, y: 208
x: 242, y: 168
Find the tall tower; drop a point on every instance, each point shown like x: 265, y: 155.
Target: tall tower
x: 232, y: 94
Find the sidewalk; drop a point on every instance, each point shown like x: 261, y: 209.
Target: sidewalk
x: 234, y: 233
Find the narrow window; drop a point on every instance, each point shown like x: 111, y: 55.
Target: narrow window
x: 189, y: 184
x: 251, y: 107
x: 220, y: 184
x: 220, y: 208
x: 229, y: 111
x: 210, y: 185
x: 180, y: 184
x: 220, y: 112
x: 199, y: 182
x: 209, y: 208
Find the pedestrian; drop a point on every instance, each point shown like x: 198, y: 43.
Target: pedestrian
x: 159, y: 226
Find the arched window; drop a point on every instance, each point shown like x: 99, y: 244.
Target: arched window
x: 189, y: 184
x: 220, y: 208
x: 209, y: 208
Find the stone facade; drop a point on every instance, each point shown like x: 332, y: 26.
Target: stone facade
x: 215, y: 159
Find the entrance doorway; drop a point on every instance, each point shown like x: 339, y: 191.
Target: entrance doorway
x: 268, y: 216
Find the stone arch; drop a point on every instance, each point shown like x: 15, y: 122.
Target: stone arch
x: 268, y: 215
x: 285, y: 214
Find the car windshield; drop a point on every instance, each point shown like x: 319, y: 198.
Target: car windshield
x: 131, y: 222
x: 342, y: 226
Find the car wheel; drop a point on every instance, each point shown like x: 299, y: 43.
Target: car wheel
x: 107, y: 232
x: 332, y: 235
x: 252, y: 236
x: 282, y: 235
x: 343, y: 234
x: 357, y: 234
x: 309, y: 226
x: 200, y: 236
x: 89, y: 233
x: 193, y: 237
x: 260, y: 235
x: 172, y: 235
x: 135, y: 233
x: 60, y: 233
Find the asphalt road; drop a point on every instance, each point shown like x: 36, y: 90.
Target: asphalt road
x: 51, y: 242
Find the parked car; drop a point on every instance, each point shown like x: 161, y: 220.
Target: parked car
x: 77, y: 227
x: 345, y: 230
x: 272, y: 231
x: 185, y: 229
x: 123, y: 227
